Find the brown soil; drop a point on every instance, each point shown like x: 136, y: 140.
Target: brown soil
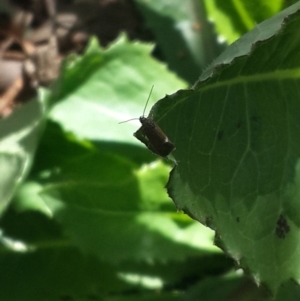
x: 35, y: 35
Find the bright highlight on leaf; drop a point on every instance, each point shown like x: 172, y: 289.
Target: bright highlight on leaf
x: 234, y: 18
x: 107, y: 86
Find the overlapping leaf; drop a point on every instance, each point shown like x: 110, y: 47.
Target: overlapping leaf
x: 183, y: 34
x: 19, y: 136
x: 234, y: 18
x: 106, y: 86
x: 237, y: 137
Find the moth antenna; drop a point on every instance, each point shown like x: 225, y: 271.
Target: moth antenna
x: 144, y: 108
x: 148, y: 100
x: 128, y: 120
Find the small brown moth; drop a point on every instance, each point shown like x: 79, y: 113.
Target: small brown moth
x: 152, y: 135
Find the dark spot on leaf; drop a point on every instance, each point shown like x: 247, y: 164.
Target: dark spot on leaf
x: 255, y: 119
x: 238, y: 219
x: 181, y: 54
x: 282, y: 227
x: 209, y: 222
x: 218, y: 241
x: 220, y: 135
x: 93, y: 297
x: 256, y: 122
x: 239, y: 124
x: 66, y: 298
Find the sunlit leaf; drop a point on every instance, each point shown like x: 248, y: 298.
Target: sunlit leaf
x: 234, y: 18
x: 107, y: 86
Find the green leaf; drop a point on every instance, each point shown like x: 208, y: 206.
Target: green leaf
x: 106, y: 86
x: 237, y: 146
x: 234, y: 18
x: 228, y: 286
x: 44, y: 264
x: 38, y: 260
x: 239, y: 288
x: 184, y: 37
x: 108, y: 205
x: 110, y: 211
x: 19, y: 136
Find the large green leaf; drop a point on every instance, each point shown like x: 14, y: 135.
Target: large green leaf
x: 237, y: 137
x: 111, y: 211
x: 105, y: 86
x: 109, y: 206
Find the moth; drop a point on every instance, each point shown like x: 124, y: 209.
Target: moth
x: 152, y: 135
